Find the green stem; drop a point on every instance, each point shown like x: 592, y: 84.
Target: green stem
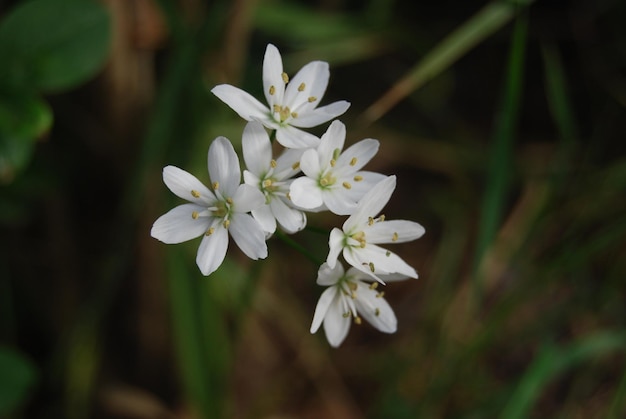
x: 297, y: 246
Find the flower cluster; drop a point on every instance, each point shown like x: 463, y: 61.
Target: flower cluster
x: 311, y: 174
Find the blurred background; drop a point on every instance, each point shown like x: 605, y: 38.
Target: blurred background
x: 504, y: 122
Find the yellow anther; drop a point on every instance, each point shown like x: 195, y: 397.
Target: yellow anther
x: 357, y: 320
x: 288, y: 196
x: 312, y: 99
x: 373, y: 285
x: 284, y: 113
x: 296, y: 165
x: 353, y: 295
x: 272, y: 90
x: 382, y: 217
x: 346, y: 314
x: 394, y: 238
x: 294, y: 114
x: 285, y: 77
x: 353, y: 161
x: 352, y: 286
x: 194, y: 215
x: 301, y: 87
x: 277, y: 108
x: 216, y: 185
x: 358, y: 178
x: 347, y: 185
x: 362, y: 244
x: 371, y: 266
x: 195, y: 193
x: 333, y: 162
x: 267, y: 183
x: 380, y: 294
x: 370, y: 221
x: 210, y: 231
x: 377, y: 311
x: 273, y: 164
x: 226, y: 223
x: 229, y: 201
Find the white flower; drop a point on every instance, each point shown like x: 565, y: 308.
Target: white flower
x: 213, y: 213
x: 362, y: 232
x: 333, y: 179
x: 292, y: 105
x: 346, y: 297
x: 272, y: 177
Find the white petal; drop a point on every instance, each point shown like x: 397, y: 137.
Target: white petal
x: 291, y: 137
x: 359, y: 188
x: 290, y: 219
x: 372, y: 203
x: 265, y: 218
x: 333, y: 139
x: 224, y: 166
x: 257, y: 149
x: 242, y: 102
x: 178, y: 225
x: 315, y: 77
x: 336, y: 326
x: 272, y: 75
x: 247, y: 198
x: 315, y: 117
x: 368, y: 305
x: 248, y: 235
x: 384, y: 261
x: 362, y: 276
x: 362, y: 152
x: 185, y: 185
x: 336, y: 243
x: 394, y: 231
x: 251, y: 179
x: 322, y: 307
x: 338, y: 201
x: 285, y: 163
x: 305, y: 193
x: 212, y: 250
x: 329, y: 276
x: 310, y: 164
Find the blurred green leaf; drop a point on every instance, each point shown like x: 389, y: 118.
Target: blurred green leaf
x: 23, y: 119
x: 53, y: 45
x: 17, y: 377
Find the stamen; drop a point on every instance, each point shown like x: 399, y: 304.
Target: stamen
x: 357, y: 320
x: 285, y: 77
x: 371, y: 266
x: 353, y: 295
x: 210, y: 231
x: 301, y: 87
x: 346, y: 185
x: 296, y: 165
x: 353, y: 161
x: 273, y: 164
x: 336, y: 153
x: 226, y: 223
x: 288, y: 196
x: 333, y: 162
x: 229, y: 201
x: 352, y: 286
x: 377, y: 311
x: 394, y: 238
x: 277, y: 108
x: 216, y: 185
x: 284, y: 113
x: 324, y: 181
x: 370, y: 221
x: 195, y: 193
x: 373, y: 285
x: 267, y: 183
x: 388, y: 253
x: 382, y: 217
x: 358, y: 178
x: 294, y: 114
x: 272, y: 90
x: 312, y: 99
x: 346, y: 314
x: 380, y: 294
x: 194, y: 215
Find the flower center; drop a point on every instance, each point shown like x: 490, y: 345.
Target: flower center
x: 327, y: 180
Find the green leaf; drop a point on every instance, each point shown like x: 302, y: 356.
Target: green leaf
x: 17, y: 377
x: 54, y: 45
x: 23, y: 119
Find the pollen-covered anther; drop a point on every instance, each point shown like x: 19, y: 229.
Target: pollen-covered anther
x: 377, y: 311
x: 347, y: 185
x: 358, y: 178
x: 273, y: 164
x: 209, y: 231
x: 288, y: 196
x: 296, y: 165
x: 272, y: 90
x: 226, y: 223
x: 195, y: 193
x: 277, y: 108
x: 216, y: 186
x: 333, y: 162
x: 373, y: 285
x: 352, y: 286
x: 346, y: 314
x: 285, y: 77
x: 285, y: 113
x: 267, y: 183
x: 381, y: 217
x: 371, y: 266
x: 360, y: 237
x: 353, y: 161
x: 370, y: 221
x: 294, y: 114
x: 301, y: 87
x: 194, y: 215
x: 357, y: 320
x: 229, y: 201
x: 353, y: 295
x: 312, y: 99
x: 380, y: 294
x: 394, y: 238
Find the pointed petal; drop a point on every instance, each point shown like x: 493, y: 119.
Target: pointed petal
x: 285, y: 164
x: 367, y: 180
x: 314, y: 76
x: 291, y: 137
x: 273, y: 75
x: 257, y: 149
x: 338, y: 201
x: 336, y: 243
x: 322, y: 306
x: 224, y: 166
x: 321, y: 115
x: 384, y: 261
x: 186, y: 185
x: 310, y: 164
x: 178, y: 225
x: 305, y: 193
x: 329, y: 276
x: 212, y: 250
x: 290, y: 219
x: 242, y: 102
x: 372, y: 203
x: 333, y: 139
x: 336, y: 326
x: 247, y: 198
x: 360, y: 153
x: 376, y: 310
x: 248, y: 235
x: 394, y: 231
x: 263, y: 215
